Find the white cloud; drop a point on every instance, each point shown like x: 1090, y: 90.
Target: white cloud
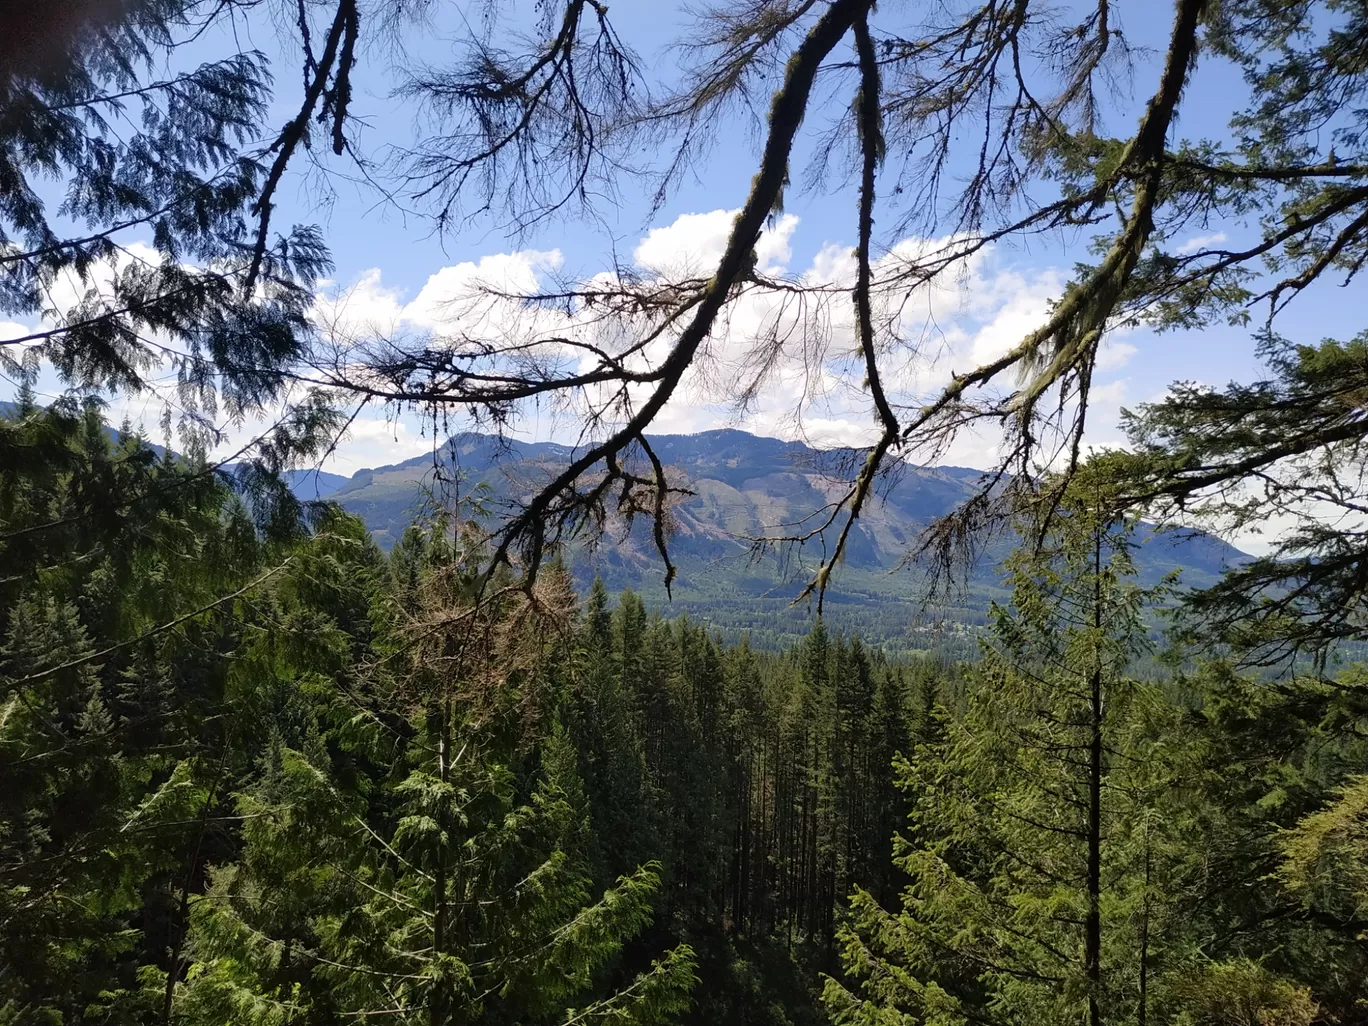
x: 1113, y: 355
x: 1023, y: 305
x: 813, y: 388
x: 773, y: 251
x: 465, y: 297
x: 367, y: 306
x: 376, y: 440
x: 460, y: 294
x: 1201, y: 242
x: 811, y: 385
x: 10, y: 330
x: 1113, y: 393
x: 692, y: 244
x: 689, y: 245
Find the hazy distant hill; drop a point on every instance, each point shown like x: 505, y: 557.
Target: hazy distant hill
x: 748, y: 486
x: 314, y: 484
x: 745, y: 485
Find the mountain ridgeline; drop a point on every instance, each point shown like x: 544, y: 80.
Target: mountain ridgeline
x: 745, y: 486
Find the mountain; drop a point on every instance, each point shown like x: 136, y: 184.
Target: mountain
x: 747, y: 486
x: 744, y: 487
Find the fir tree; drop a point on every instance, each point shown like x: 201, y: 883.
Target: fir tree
x: 1051, y: 827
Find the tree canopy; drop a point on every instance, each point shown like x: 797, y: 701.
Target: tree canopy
x: 258, y: 771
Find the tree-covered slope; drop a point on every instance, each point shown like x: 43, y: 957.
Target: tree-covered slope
x: 743, y: 487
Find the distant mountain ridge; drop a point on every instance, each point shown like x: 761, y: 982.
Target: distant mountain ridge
x: 748, y: 486
x: 745, y: 486
x: 314, y: 483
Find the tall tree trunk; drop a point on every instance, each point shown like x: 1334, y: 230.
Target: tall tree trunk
x: 173, y: 970
x: 1093, y: 930
x: 437, y: 1007
x: 1143, y: 1012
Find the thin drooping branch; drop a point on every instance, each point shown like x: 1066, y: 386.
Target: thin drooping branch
x: 662, y: 490
x: 528, y: 528
x: 868, y: 116
x: 1074, y: 329
x: 344, y: 27
x: 1190, y: 481
x: 534, y: 126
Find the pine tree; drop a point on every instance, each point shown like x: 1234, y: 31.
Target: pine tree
x: 1040, y: 847
x: 1292, y: 433
x: 611, y: 759
x: 136, y: 692
x: 1326, y: 856
x: 1277, y: 763
x: 457, y: 885
x: 890, y: 738
x: 170, y: 157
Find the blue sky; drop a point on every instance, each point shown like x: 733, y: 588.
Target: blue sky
x: 392, y: 269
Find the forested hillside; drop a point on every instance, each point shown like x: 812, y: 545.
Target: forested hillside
x: 266, y: 777
x: 737, y: 488
x: 518, y: 734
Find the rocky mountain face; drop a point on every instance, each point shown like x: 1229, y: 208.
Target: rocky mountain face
x: 745, y: 487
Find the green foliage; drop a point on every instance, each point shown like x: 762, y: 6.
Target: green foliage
x: 349, y: 789
x: 287, y: 802
x: 1326, y: 854
x: 172, y: 157
x: 257, y: 772
x: 1243, y: 993
x: 1286, y: 445
x: 1087, y: 847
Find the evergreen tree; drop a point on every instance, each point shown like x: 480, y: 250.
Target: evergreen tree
x: 361, y: 785
x: 1052, y: 826
x: 1293, y: 438
x: 458, y: 885
x: 113, y: 743
x: 167, y: 160
x: 611, y: 760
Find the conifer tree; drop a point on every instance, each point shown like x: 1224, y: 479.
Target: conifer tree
x: 459, y: 887
x: 160, y: 218
x: 113, y: 729
x: 1049, y: 834
x: 611, y: 760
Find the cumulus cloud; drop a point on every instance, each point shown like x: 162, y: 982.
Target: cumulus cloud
x: 376, y: 440
x: 808, y: 386
x: 1201, y: 242
x: 468, y: 296
x: 1113, y: 393
x: 692, y: 244
x: 1113, y: 354
x: 1022, y: 305
x: 777, y: 363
